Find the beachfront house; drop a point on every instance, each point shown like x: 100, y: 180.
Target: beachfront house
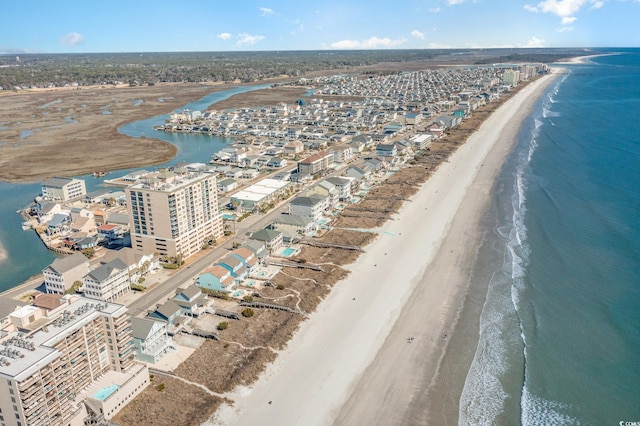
x: 271, y: 239
x: 247, y: 257
x: 235, y: 266
x: 312, y: 206
x: 359, y: 174
x: 386, y: 150
x: 192, y: 301
x: 168, y: 312
x: 258, y: 248
x: 64, y: 272
x: 215, y: 278
x: 343, y: 185
x: 327, y: 191
x: 151, y: 339
x: 292, y: 226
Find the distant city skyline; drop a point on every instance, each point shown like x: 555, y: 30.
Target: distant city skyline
x: 38, y: 26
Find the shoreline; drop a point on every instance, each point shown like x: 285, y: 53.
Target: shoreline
x: 339, y: 352
x: 582, y: 60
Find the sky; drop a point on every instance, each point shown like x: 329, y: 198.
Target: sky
x: 87, y: 26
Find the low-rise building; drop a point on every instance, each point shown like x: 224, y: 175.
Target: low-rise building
x: 108, y: 281
x: 272, y: 239
x: 63, y: 189
x: 151, y: 339
x: 64, y: 272
x: 293, y: 225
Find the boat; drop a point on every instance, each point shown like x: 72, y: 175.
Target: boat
x: 99, y: 173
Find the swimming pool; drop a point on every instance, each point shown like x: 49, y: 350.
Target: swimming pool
x: 250, y: 283
x: 106, y: 392
x: 288, y: 252
x: 226, y: 216
x: 238, y: 293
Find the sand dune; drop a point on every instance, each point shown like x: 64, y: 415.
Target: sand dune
x: 350, y: 363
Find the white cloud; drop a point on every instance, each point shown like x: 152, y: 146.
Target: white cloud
x: 564, y: 29
x: 568, y: 20
x: 437, y: 9
x: 370, y: 43
x: 245, y: 39
x: 452, y: 2
x: 224, y: 36
x: 563, y: 8
x: 72, y: 39
x: 417, y: 34
x: 535, y: 42
x: 439, y: 46
x: 265, y: 11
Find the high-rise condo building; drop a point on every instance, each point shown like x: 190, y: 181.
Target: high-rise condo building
x: 173, y: 213
x: 66, y: 362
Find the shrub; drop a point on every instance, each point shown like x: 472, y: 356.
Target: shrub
x: 223, y: 325
x: 160, y: 387
x: 248, y: 299
x: 136, y: 287
x: 170, y: 265
x: 280, y: 287
x: 248, y: 313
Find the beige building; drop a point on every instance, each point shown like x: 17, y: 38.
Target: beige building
x: 61, y: 188
x: 511, y: 77
x: 53, y: 361
x: 174, y: 214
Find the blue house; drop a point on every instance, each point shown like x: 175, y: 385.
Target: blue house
x: 234, y: 266
x: 216, y: 278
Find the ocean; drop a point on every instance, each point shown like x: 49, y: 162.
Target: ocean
x: 559, y: 338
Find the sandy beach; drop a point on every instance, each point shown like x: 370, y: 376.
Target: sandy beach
x: 351, y: 361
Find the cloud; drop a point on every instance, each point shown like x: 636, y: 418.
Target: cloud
x: 568, y: 20
x: 535, y: 42
x: 224, y: 36
x: 245, y: 39
x: 370, y: 43
x: 71, y: 39
x: 417, y: 34
x: 452, y: 2
x: 435, y: 10
x: 564, y: 29
x: 563, y: 8
x: 265, y: 11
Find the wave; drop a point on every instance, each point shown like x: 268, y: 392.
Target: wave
x: 539, y: 411
x: 484, y: 395
x: 502, y: 340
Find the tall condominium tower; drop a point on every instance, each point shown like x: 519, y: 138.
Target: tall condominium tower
x: 173, y: 213
x: 63, y: 363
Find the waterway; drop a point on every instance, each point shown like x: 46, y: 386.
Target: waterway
x: 22, y: 254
